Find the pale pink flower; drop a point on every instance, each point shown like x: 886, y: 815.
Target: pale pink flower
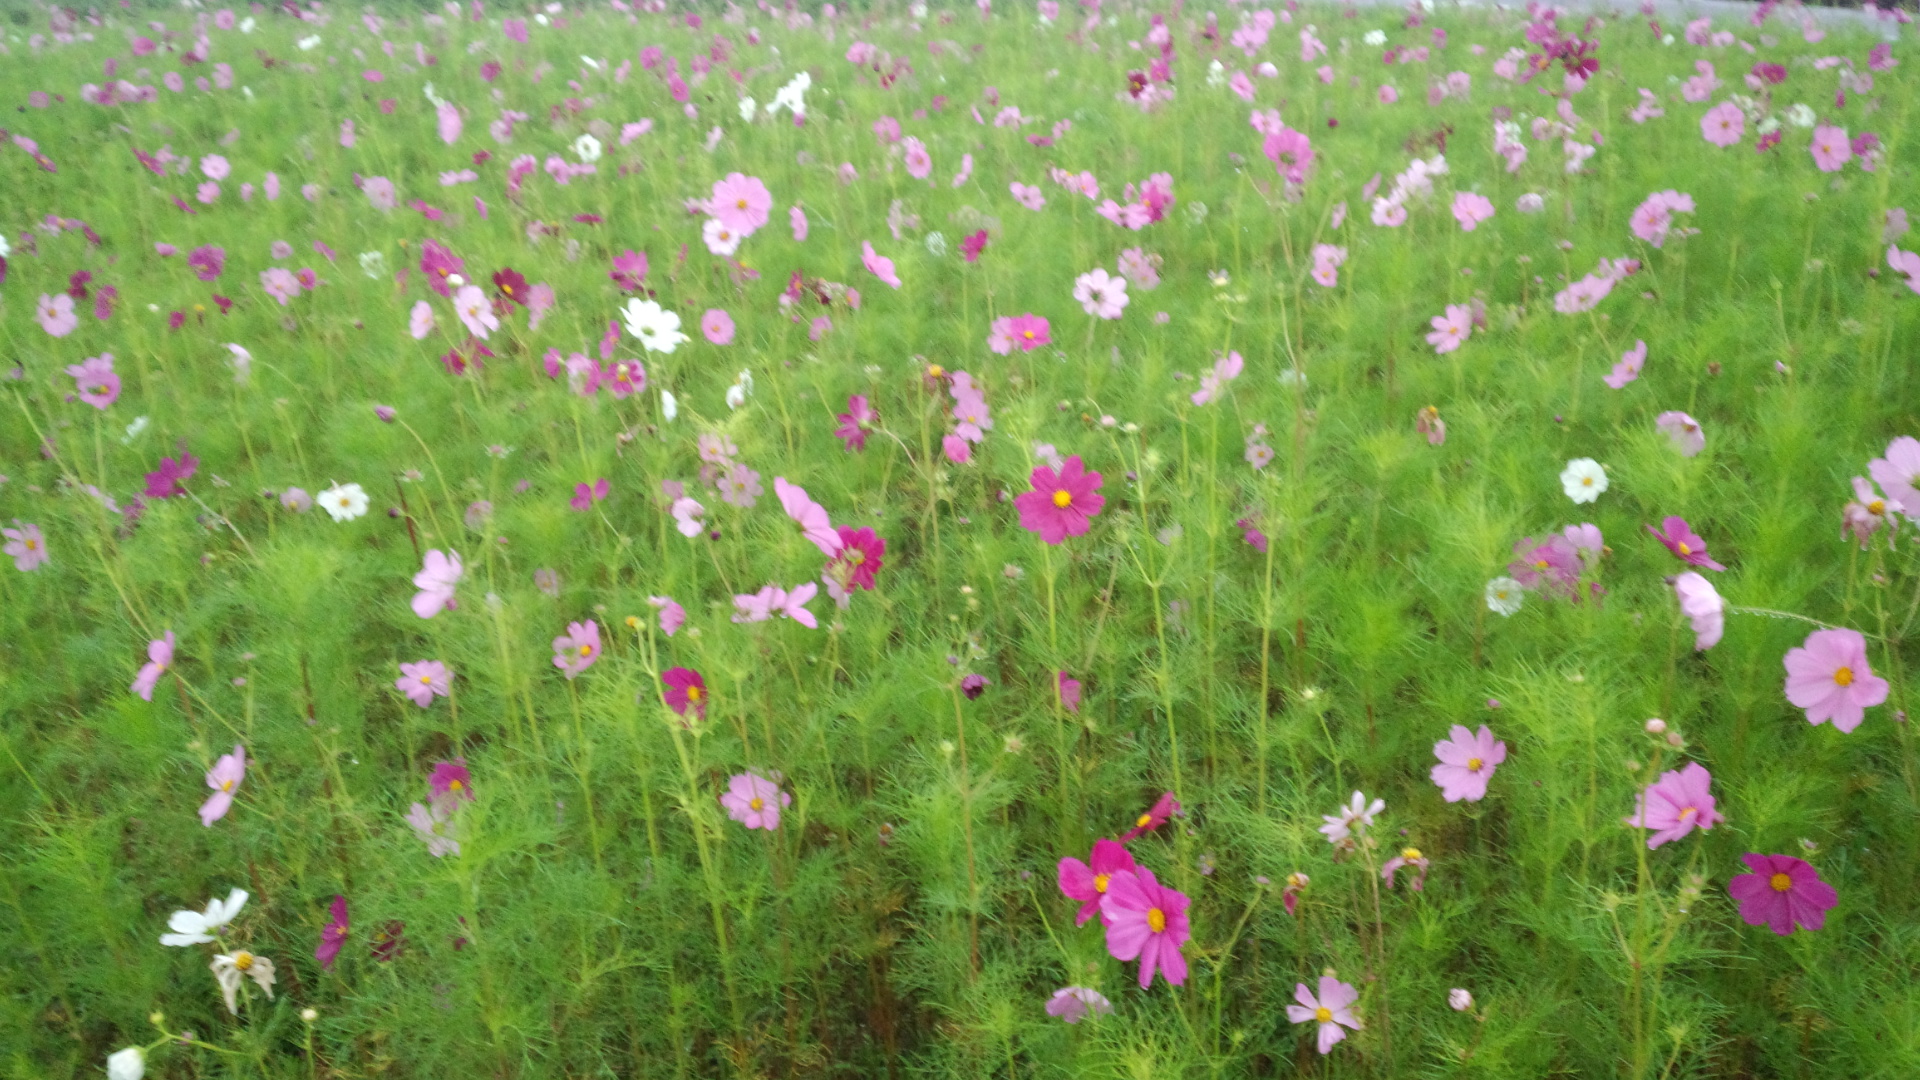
x: 1451, y: 329
x: 809, y: 515
x: 1101, y: 294
x: 224, y: 778
x: 1675, y: 805
x: 877, y: 264
x: 1467, y: 761
x: 1470, y: 209
x: 755, y: 801
x: 1724, y: 124
x: 1831, y: 150
x: 1684, y: 430
x: 1703, y: 607
x: 1628, y: 369
x: 420, y: 321
x: 1828, y: 676
x: 476, y: 313
x: 159, y: 659
x: 424, y: 680
x: 1332, y: 1009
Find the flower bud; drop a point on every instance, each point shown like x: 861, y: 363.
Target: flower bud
x: 1656, y: 726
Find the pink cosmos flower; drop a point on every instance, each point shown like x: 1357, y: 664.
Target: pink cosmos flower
x: 754, y: 801
x: 1467, y: 762
x: 585, y: 495
x: 451, y: 782
x: 1628, y: 369
x: 1073, y: 1003
x: 424, y: 680
x: 1675, y: 805
x: 25, y: 546
x: 1291, y: 153
x: 1069, y: 688
x: 797, y: 218
x: 1828, y: 676
x: 1679, y: 538
x: 447, y: 114
x: 1408, y: 857
x: 1226, y: 369
x: 1332, y: 1009
x: 1653, y: 219
x: 859, y: 419
x: 1087, y: 881
x: 224, y: 778
x: 919, y: 163
x: 741, y: 202
x: 975, y: 242
x: 281, y: 284
x: 380, y: 193
x: 1684, y: 430
x: 1028, y: 332
x: 1146, y: 921
x: 56, y: 314
x: 1724, y: 124
x: 1028, y: 195
x: 1451, y: 328
x: 430, y: 823
x: 1163, y: 808
x: 1061, y: 504
x: 476, y: 313
x: 159, y: 659
x: 577, y: 649
x: 809, y: 515
x: 439, y: 573
x: 1101, y: 294
x: 718, y: 326
x: 1831, y: 150
x: 334, y: 935
x: 1552, y: 565
x: 1700, y: 602
x: 1470, y: 209
x: 877, y: 264
x: 686, y: 516
x: 208, y: 261
x: 420, y: 320
x: 164, y: 482
x: 685, y: 689
x: 1782, y: 892
x: 1898, y: 474
x: 1327, y: 260
x: 95, y: 381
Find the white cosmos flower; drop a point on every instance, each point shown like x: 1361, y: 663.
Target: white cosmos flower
x: 4, y: 249
x: 309, y: 43
x: 737, y: 393
x: 133, y: 430
x: 128, y: 1064
x: 1583, y: 480
x: 748, y: 107
x: 590, y: 61
x: 1375, y: 38
x: 247, y: 24
x: 657, y: 328
x: 343, y: 502
x: 197, y: 927
x: 1356, y: 816
x: 373, y: 264
x: 1801, y: 115
x: 1216, y: 74
x: 230, y: 968
x: 242, y: 363
x: 669, y: 405
x: 587, y: 148
x: 720, y: 240
x: 1505, y: 595
x: 793, y: 96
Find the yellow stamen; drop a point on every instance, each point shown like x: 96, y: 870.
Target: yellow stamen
x: 426, y: 680
x: 756, y: 804
x: 1843, y: 677
x: 1684, y: 549
x: 242, y: 961
x: 693, y: 693
x: 586, y: 650
x: 1156, y: 920
x: 1410, y: 854
x: 1323, y: 1014
x: 856, y: 556
x: 1474, y: 763
x: 1099, y: 883
x: 1144, y: 821
x: 1063, y: 498
x: 1780, y: 882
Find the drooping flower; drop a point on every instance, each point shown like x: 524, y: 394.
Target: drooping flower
x: 1355, y: 818
x: 424, y: 680
x: 1061, y: 503
x: 672, y: 615
x: 973, y: 685
x: 1679, y: 538
x: 1675, y: 805
x: 159, y: 659
x: 1163, y: 808
x: 1332, y: 1009
x: 1782, y: 892
x: 585, y: 494
x: 1467, y: 762
x: 224, y: 778
x: 1087, y: 881
x: 809, y: 515
x: 1225, y: 369
x: 1828, y: 676
x: 1583, y: 480
x: 754, y: 801
x: 1703, y: 607
x: 1069, y: 688
x: 199, y: 927
x: 577, y: 649
x: 333, y: 936
x: 1684, y: 430
x: 230, y: 969
x: 685, y: 689
x: 439, y: 573
x: 25, y: 546
x: 1073, y: 1003
x: 1408, y: 857
x: 1146, y: 921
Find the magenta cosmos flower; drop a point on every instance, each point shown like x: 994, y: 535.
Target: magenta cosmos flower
x: 1060, y: 504
x: 1146, y: 921
x: 1069, y: 688
x: 424, y: 680
x: 95, y: 382
x: 855, y: 424
x: 159, y: 659
x: 755, y: 801
x: 1467, y: 761
x: 877, y: 264
x: 1332, y: 1009
x: 1675, y: 805
x: 224, y: 778
x: 451, y: 782
x: 334, y: 935
x: 1163, y: 808
x: 1087, y: 881
x: 1828, y: 676
x: 740, y: 202
x: 685, y: 689
x: 577, y: 649
x: 1680, y: 539
x: 25, y: 546
x: 862, y: 554
x: 1783, y: 892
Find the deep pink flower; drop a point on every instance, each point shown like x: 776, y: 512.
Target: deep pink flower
x: 224, y: 778
x: 439, y: 265
x: 973, y: 686
x: 423, y: 680
x: 1087, y: 881
x: 1783, y: 892
x: 585, y: 495
x: 862, y: 554
x: 1148, y: 921
x: 451, y: 782
x: 1675, y: 805
x: 577, y: 649
x: 1069, y: 688
x: 973, y: 245
x: 208, y: 261
x: 1332, y: 1010
x: 859, y: 419
x: 1291, y: 153
x: 1029, y: 331
x: 1552, y: 565
x: 164, y: 482
x: 1828, y: 676
x: 1467, y: 761
x: 1163, y: 808
x: 740, y: 202
x: 95, y: 381
x: 685, y: 689
x: 1679, y: 538
x: 754, y: 801
x: 334, y: 935
x: 1060, y: 504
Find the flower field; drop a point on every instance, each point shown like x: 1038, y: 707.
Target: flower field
x: 1049, y: 540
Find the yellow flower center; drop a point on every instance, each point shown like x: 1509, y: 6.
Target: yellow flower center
x: 426, y: 680
x: 33, y: 545
x: 935, y: 370
x: 1540, y: 564
x: 1063, y: 498
x: 856, y: 556
x: 1877, y: 507
x: 226, y: 785
x: 693, y: 693
x: 1780, y: 882
x: 1684, y: 549
x: 756, y: 803
x: 455, y: 785
x: 1586, y: 481
x: 1843, y: 677
x: 1100, y: 883
x: 1474, y: 763
x: 1156, y: 920
x: 586, y: 650
x: 1028, y: 334
x: 1323, y: 1014
x: 508, y: 289
x: 1410, y: 854
x: 1689, y: 812
x: 242, y: 961
x: 1143, y: 821
x: 740, y: 205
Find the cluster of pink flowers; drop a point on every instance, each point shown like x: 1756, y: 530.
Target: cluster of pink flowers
x: 971, y: 417
x: 1142, y: 206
